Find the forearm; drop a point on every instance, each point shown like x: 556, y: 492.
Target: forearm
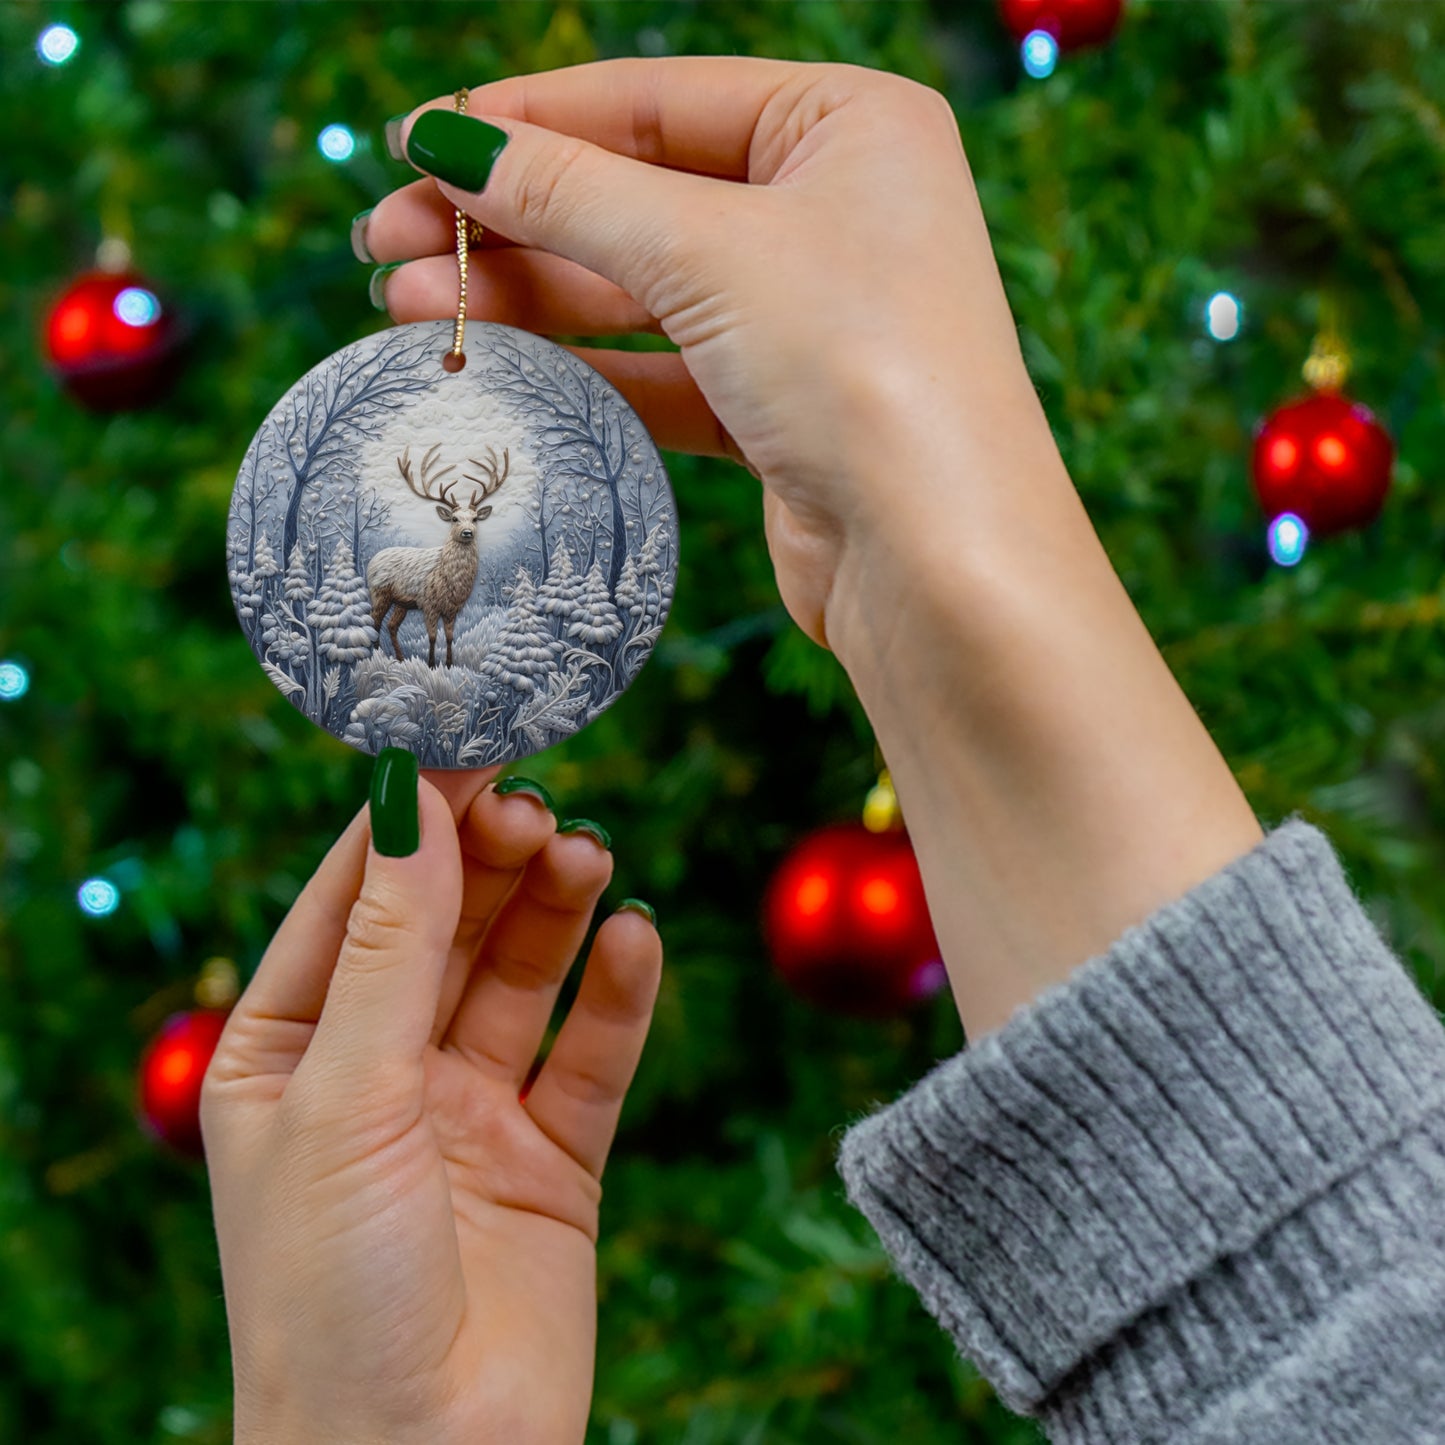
x: 1057, y: 784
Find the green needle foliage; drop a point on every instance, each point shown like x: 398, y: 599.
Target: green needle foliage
x: 1291, y: 154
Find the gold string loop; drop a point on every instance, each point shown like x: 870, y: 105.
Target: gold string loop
x: 467, y: 231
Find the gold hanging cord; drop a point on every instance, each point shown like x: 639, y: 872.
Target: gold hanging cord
x: 467, y: 231
x: 1328, y: 366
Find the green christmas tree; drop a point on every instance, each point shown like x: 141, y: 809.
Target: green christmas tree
x: 1289, y: 155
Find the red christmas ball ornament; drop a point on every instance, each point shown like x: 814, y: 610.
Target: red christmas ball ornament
x: 847, y: 923
x: 1326, y: 459
x: 171, y: 1071
x: 112, y: 341
x: 1073, y: 23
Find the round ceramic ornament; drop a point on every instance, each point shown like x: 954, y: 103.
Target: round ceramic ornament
x: 469, y: 562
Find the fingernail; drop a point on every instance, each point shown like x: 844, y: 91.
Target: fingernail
x: 586, y: 825
x: 636, y: 905
x: 376, y: 287
x: 527, y: 786
x: 455, y: 148
x: 393, y: 136
x: 395, y: 820
x: 359, y: 247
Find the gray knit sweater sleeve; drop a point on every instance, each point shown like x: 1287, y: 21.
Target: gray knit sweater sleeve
x: 1195, y: 1193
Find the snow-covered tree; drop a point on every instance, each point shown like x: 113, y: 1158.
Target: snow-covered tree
x: 557, y: 596
x: 264, y: 570
x: 629, y: 597
x: 526, y: 653
x: 248, y: 594
x: 594, y: 618
x: 297, y: 586
x: 341, y: 612
x: 653, y: 565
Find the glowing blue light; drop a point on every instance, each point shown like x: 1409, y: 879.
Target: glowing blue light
x: 98, y: 897
x: 1040, y: 53
x: 57, y: 44
x: 137, y: 307
x: 1288, y: 538
x: 336, y: 143
x: 1223, y: 316
x: 14, y: 681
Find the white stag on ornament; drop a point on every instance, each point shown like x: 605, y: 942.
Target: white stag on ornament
x: 438, y: 580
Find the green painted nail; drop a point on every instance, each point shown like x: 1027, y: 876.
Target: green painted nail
x: 376, y: 287
x: 455, y: 148
x: 395, y: 821
x: 359, y: 247
x: 393, y: 136
x: 527, y: 786
x: 636, y: 905
x: 586, y: 825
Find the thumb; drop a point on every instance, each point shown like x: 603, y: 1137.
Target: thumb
x: 382, y: 999
x: 634, y: 224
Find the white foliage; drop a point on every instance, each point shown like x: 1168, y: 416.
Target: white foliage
x: 378, y: 675
x: 288, y: 685
x: 479, y: 641
x: 556, y: 708
x: 284, y: 636
x: 425, y: 707
x: 247, y: 593
x: 394, y: 720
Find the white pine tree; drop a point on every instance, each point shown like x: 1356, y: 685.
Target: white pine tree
x: 629, y: 596
x: 265, y: 565
x: 557, y: 596
x: 594, y: 618
x: 526, y: 654
x: 341, y: 611
x: 298, y: 579
x: 652, y: 565
x: 251, y: 586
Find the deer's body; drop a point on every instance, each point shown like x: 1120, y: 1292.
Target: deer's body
x: 436, y: 580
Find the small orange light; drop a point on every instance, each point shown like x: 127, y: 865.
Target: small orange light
x: 879, y: 897
x: 1331, y: 451
x: 812, y: 894
x: 1283, y: 454
x: 176, y: 1067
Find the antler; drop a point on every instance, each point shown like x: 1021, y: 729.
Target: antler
x: 494, y: 478
x: 428, y: 477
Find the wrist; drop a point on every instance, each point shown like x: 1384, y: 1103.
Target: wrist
x: 1057, y: 784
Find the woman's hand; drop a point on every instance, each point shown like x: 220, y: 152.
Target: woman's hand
x: 408, y: 1248
x: 810, y: 237
x: 844, y: 297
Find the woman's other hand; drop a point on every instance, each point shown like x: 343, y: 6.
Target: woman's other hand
x: 408, y: 1246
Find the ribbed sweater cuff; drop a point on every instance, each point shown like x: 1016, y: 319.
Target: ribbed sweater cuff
x: 1137, y: 1168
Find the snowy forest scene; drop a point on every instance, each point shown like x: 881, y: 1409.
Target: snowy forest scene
x: 470, y: 565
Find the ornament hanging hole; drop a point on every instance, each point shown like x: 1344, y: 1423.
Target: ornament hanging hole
x: 454, y: 361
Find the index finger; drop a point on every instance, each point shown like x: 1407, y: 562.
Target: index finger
x: 688, y: 112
